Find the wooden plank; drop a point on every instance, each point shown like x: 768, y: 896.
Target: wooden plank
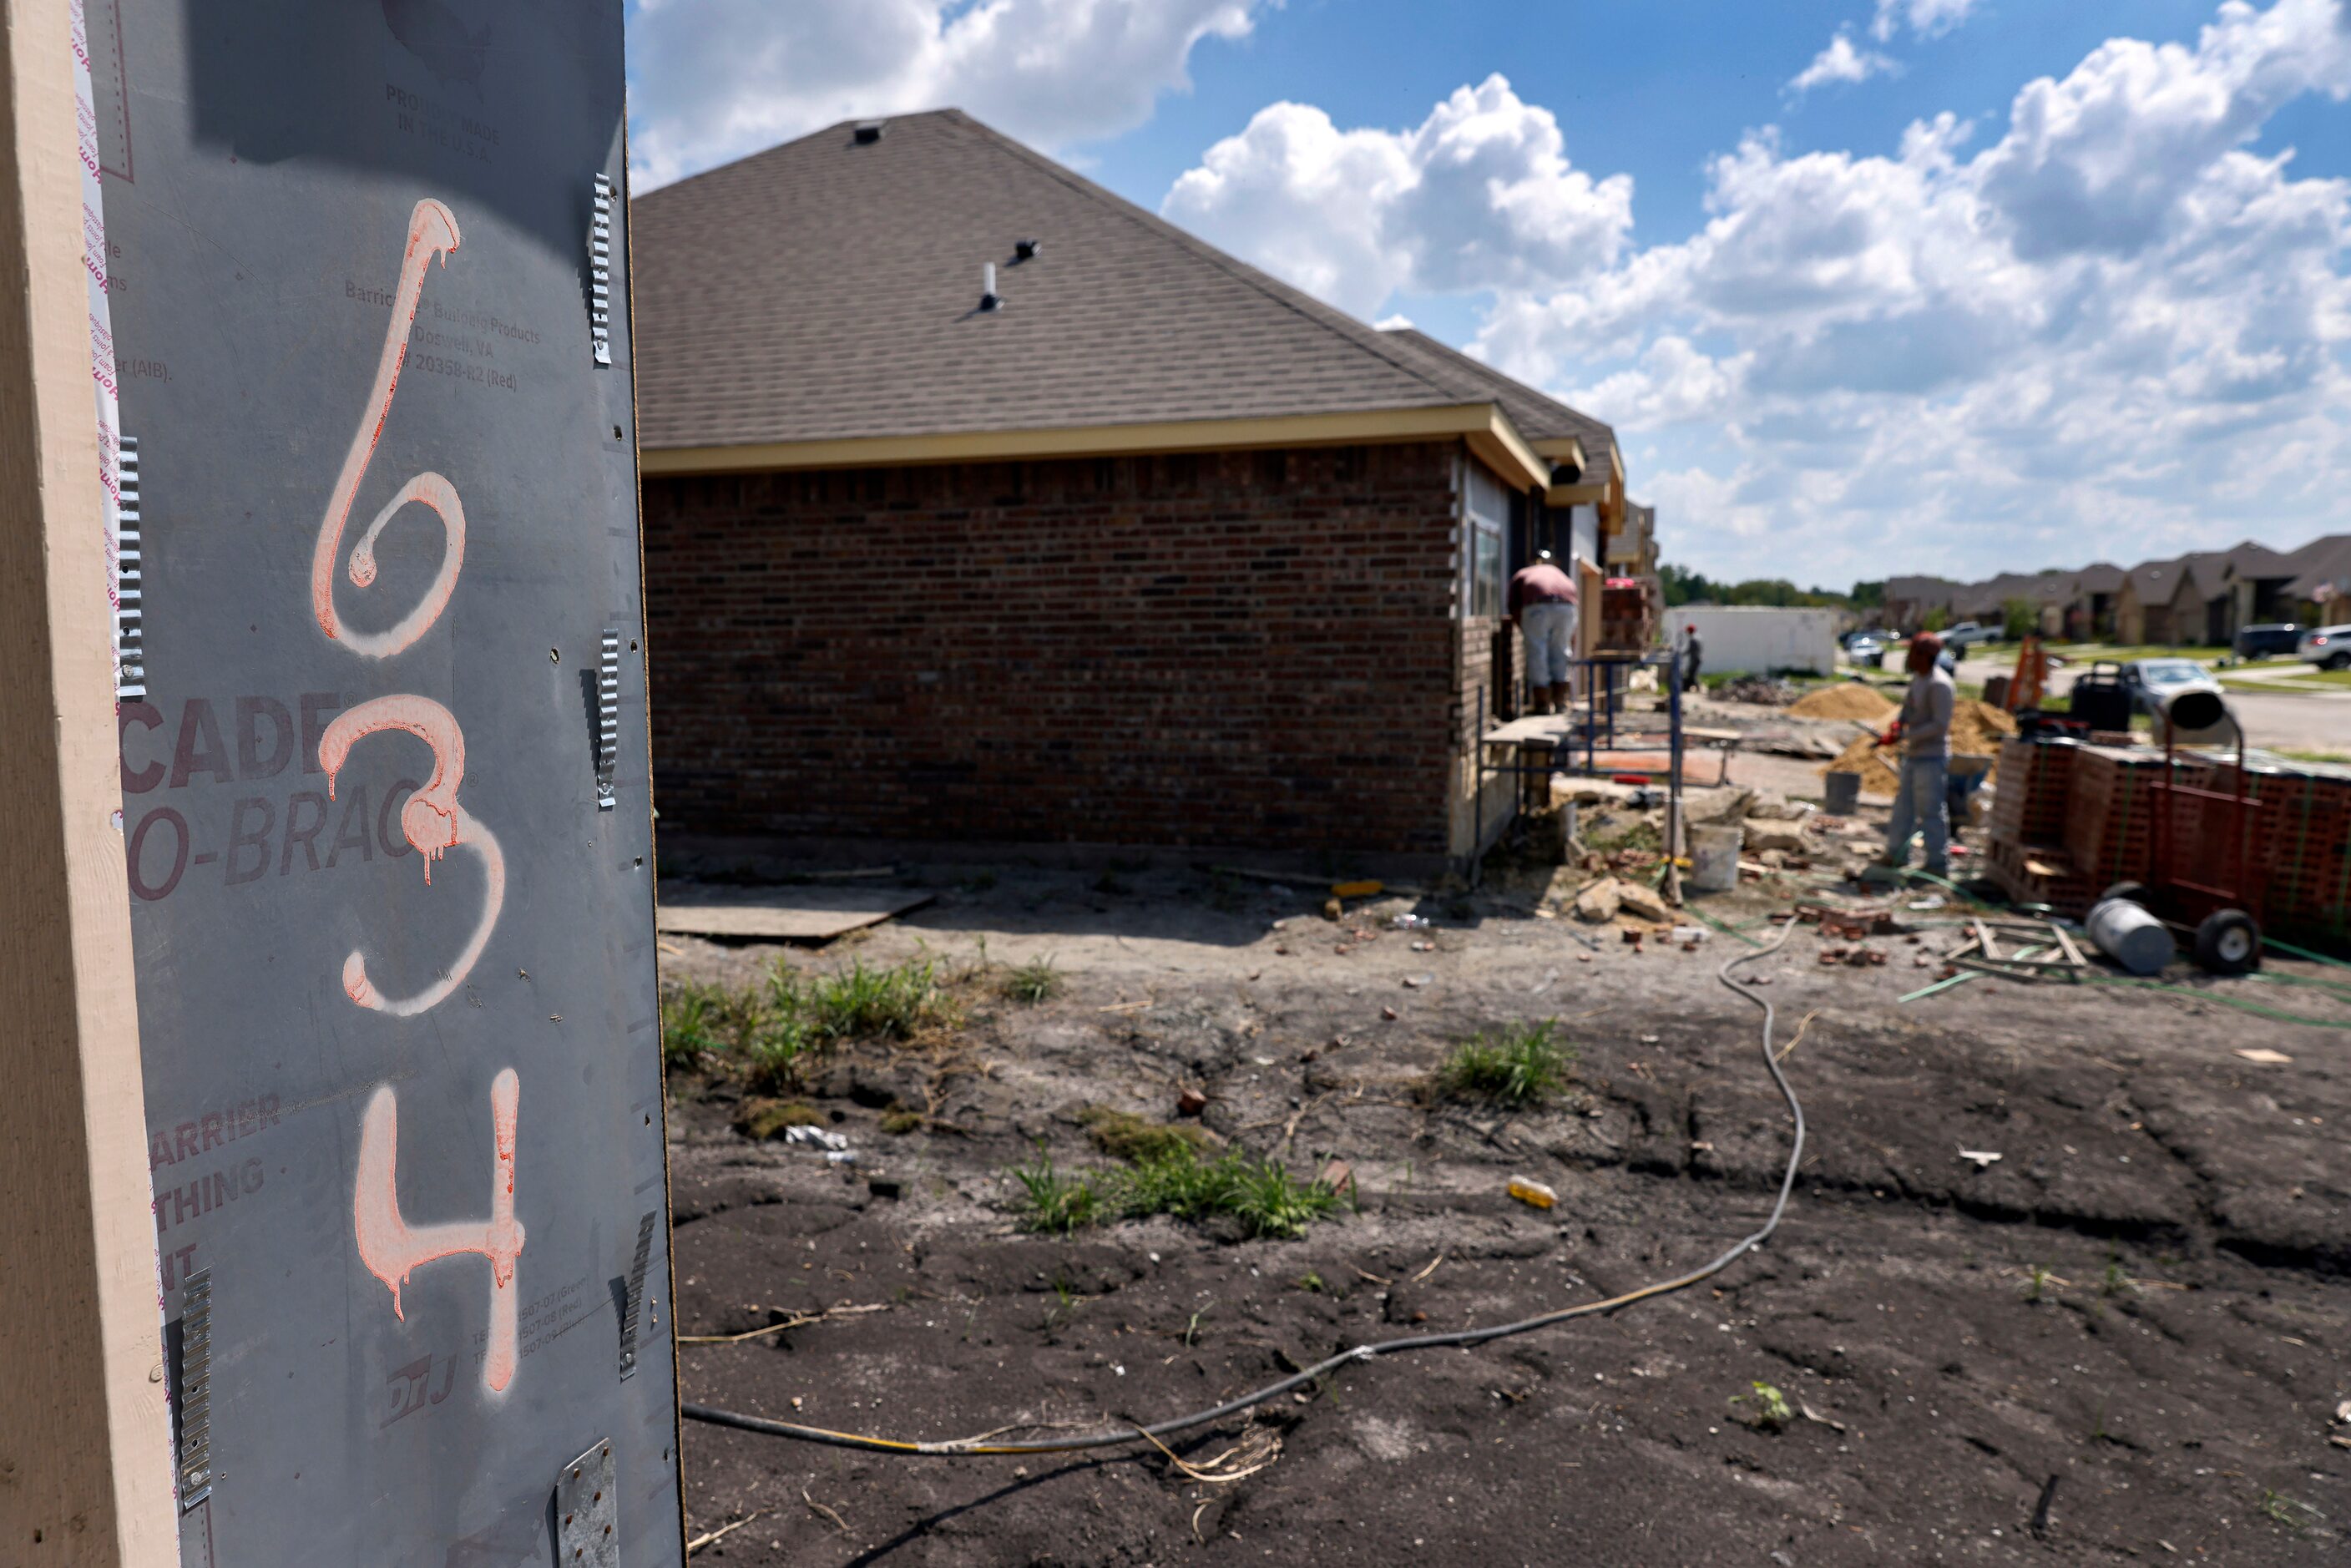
x: 85, y: 1460
x: 814, y: 914
x: 2072, y: 953
x: 1983, y: 938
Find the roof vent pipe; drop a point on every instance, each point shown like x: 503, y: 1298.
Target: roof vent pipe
x: 868, y: 132
x: 1024, y: 250
x: 989, y: 299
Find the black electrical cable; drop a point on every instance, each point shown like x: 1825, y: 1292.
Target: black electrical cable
x: 1458, y: 1339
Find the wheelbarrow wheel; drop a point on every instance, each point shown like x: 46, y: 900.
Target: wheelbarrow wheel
x: 2228, y: 943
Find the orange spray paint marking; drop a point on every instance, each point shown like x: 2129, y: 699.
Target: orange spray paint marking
x: 392, y: 1248
x: 432, y: 232
x: 431, y: 819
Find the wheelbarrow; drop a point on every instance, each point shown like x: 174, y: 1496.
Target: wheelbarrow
x: 2213, y: 897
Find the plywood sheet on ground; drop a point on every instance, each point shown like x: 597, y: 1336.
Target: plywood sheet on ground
x: 810, y: 914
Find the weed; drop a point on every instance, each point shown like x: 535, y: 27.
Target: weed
x: 1124, y: 1135
x: 2283, y: 1510
x: 1261, y: 1193
x: 859, y: 1002
x: 2038, y: 1281
x: 1067, y: 1303
x: 2116, y: 1281
x: 777, y: 1052
x: 1034, y: 982
x: 1192, y: 1329
x: 1310, y: 1281
x: 1521, y: 1067
x: 702, y: 1020
x: 1053, y: 1203
x: 1772, y: 1413
x: 898, y: 1120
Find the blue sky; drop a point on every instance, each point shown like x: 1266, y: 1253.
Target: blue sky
x: 1866, y: 286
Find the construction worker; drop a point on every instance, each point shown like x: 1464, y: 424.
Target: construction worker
x: 1693, y: 656
x: 1543, y: 607
x: 1923, y: 728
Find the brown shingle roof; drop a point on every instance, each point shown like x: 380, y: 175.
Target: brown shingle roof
x: 1539, y: 417
x: 825, y: 289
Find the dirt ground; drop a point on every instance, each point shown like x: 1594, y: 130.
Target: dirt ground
x: 2146, y: 1298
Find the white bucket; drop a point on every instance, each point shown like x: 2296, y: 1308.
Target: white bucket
x: 1714, y: 856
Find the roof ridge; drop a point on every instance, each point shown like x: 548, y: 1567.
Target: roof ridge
x: 1329, y: 319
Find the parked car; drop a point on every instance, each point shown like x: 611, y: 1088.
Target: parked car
x: 1968, y: 634
x: 2272, y: 641
x: 2327, y: 645
x: 1868, y: 652
x: 2152, y: 682
x: 1871, y: 633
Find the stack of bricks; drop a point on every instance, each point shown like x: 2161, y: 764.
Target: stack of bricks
x: 2297, y: 846
x: 2028, y: 826
x: 2110, y: 817
x: 2029, y: 806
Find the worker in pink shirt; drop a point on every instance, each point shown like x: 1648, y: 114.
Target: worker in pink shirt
x: 1543, y: 607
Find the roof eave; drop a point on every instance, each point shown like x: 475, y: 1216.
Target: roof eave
x: 1482, y: 425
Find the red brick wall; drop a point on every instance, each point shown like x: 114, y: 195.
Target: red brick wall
x: 1244, y: 649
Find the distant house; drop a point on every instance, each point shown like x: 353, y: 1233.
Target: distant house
x: 2090, y: 613
x: 1910, y: 600
x: 1121, y: 542
x: 2047, y: 593
x: 2254, y: 581
x: 2144, y: 608
x: 2320, y: 592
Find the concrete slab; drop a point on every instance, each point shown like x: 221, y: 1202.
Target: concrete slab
x: 798, y: 913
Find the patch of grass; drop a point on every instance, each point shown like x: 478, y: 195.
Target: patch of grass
x: 1770, y: 1411
x: 1124, y: 1135
x: 764, y: 1118
x: 1522, y: 1066
x: 861, y: 1002
x: 1033, y: 982
x: 1261, y: 1193
x: 699, y: 1021
x: 2315, y: 756
x: 777, y: 1052
x: 1052, y: 1203
x: 1310, y: 1281
x: 898, y: 1121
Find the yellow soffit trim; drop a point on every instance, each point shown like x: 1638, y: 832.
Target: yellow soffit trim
x: 1577, y: 494
x: 1506, y: 452
x: 1479, y: 422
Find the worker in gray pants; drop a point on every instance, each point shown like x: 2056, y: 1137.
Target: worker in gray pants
x: 1923, y: 728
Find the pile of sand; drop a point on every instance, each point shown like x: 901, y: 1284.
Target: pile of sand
x: 1977, y: 728
x: 1846, y: 699
x: 1871, y: 761
x: 1980, y: 728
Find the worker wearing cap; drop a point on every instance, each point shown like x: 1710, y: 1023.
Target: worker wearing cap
x: 1542, y: 605
x: 1923, y: 728
x: 1693, y: 656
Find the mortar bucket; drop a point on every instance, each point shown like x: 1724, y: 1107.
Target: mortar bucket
x: 1714, y: 856
x: 1844, y: 794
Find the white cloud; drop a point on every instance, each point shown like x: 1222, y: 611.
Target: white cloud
x: 1480, y: 195
x: 1840, y: 62
x: 1927, y: 18
x: 2108, y: 328
x: 714, y: 80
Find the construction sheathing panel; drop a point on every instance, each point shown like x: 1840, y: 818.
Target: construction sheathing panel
x: 385, y: 802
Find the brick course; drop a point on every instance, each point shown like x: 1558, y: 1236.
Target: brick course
x: 1250, y: 648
